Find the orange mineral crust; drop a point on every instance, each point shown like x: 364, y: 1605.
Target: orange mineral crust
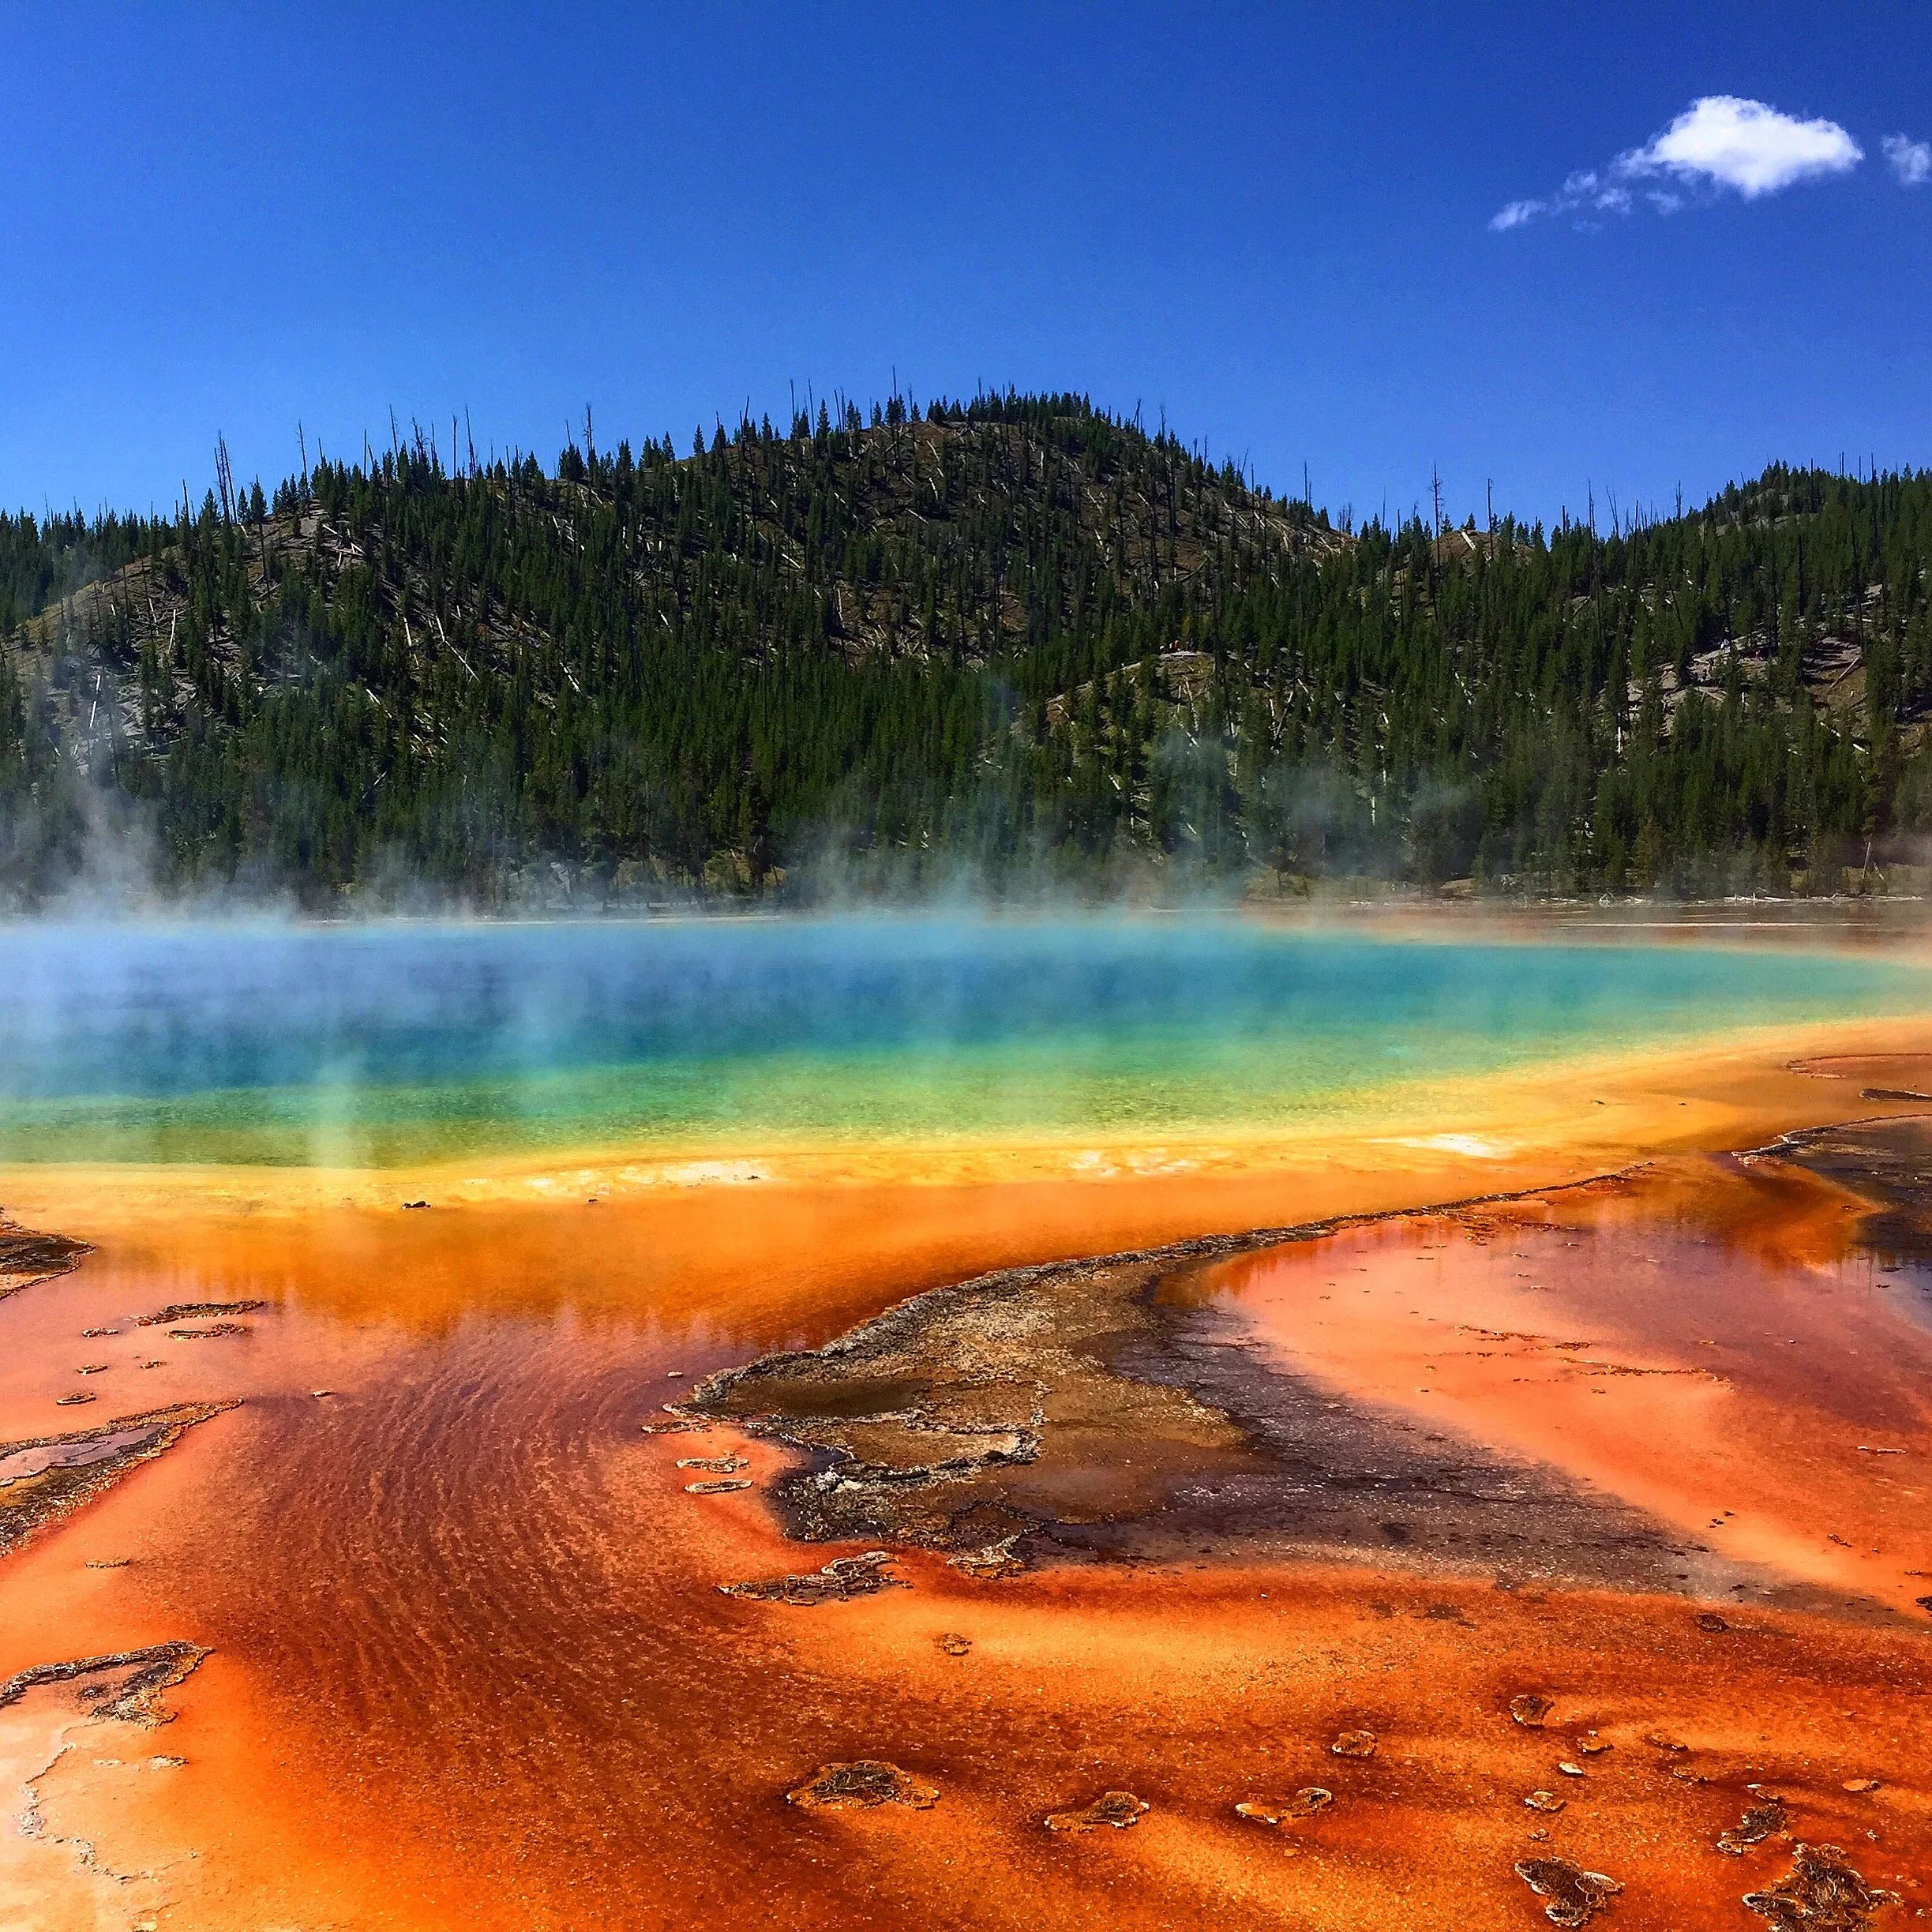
x: 444, y: 1622
x: 1701, y: 1341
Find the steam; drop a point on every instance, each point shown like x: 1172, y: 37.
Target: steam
x: 349, y: 1044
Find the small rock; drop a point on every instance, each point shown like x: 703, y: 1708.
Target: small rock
x: 1593, y: 1746
x: 1759, y: 1822
x: 843, y: 1578
x: 1860, y: 1784
x: 1574, y: 1896
x: 1820, y: 1890
x: 722, y: 1486
x: 860, y: 1786
x: 1529, y: 1709
x: 953, y: 1644
x: 1116, y: 1810
x: 1354, y: 1744
x: 1305, y: 1803
x: 718, y: 1465
x: 1571, y: 1770
x: 997, y: 1559
x: 1545, y: 1801
x: 71, y: 1401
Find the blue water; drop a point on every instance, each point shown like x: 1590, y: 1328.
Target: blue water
x: 386, y: 1043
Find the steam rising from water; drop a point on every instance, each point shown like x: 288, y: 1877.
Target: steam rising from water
x: 340, y: 1045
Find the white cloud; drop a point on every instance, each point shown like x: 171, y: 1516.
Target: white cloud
x: 1730, y: 143
x: 1516, y: 214
x: 1912, y: 160
x: 1719, y: 142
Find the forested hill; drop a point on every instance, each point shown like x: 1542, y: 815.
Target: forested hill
x: 1017, y: 641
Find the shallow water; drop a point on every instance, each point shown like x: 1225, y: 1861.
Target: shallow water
x: 470, y: 1662
x: 345, y: 1046
x: 471, y: 1666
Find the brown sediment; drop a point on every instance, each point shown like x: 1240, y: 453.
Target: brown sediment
x: 48, y: 1477
x: 1574, y: 1896
x: 27, y: 1257
x: 1110, y: 1811
x: 862, y: 1786
x: 1107, y: 1407
x: 1305, y: 1804
x: 1821, y: 1892
x: 195, y: 1312
x: 127, y: 1685
x: 841, y: 1580
x: 1758, y: 1823
x: 991, y: 1418
x: 1884, y: 1163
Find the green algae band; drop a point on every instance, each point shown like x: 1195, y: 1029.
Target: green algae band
x: 379, y: 1044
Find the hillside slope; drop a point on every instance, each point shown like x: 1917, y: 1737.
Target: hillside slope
x: 1017, y: 638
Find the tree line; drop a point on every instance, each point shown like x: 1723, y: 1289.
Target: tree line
x: 1018, y: 640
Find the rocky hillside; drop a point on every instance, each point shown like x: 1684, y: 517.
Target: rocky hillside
x: 1017, y: 639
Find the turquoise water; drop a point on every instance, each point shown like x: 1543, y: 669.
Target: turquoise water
x: 377, y: 1044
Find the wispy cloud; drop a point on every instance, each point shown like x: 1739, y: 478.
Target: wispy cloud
x: 1912, y: 160
x: 1719, y: 143
x: 1516, y: 214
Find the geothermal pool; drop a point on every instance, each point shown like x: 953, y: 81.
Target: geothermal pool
x: 387, y: 1044
x: 492, y: 1417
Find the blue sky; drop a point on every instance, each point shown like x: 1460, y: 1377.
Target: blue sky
x: 1275, y: 223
